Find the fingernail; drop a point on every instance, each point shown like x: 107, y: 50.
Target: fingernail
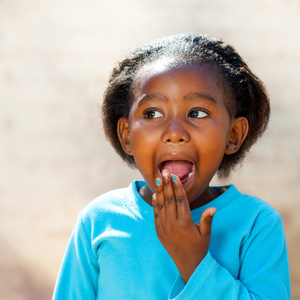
x: 212, y: 213
x: 164, y: 173
x: 154, y: 199
x: 174, y: 177
x: 157, y: 181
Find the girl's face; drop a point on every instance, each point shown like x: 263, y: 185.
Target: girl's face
x: 178, y: 121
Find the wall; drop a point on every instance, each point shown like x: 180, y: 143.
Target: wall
x: 55, y: 57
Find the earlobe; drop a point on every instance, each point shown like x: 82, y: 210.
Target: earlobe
x: 238, y: 132
x: 124, y: 136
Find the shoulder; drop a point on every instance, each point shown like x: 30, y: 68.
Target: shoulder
x: 109, y: 213
x: 247, y: 203
x: 239, y: 208
x: 260, y: 207
x: 107, y: 202
x: 245, y: 218
x: 121, y: 201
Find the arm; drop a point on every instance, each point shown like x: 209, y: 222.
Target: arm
x: 186, y: 242
x: 263, y: 272
x: 77, y: 278
x: 263, y: 268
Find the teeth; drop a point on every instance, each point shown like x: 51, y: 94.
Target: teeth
x: 190, y: 174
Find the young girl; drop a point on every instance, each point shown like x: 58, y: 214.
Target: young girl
x: 180, y: 109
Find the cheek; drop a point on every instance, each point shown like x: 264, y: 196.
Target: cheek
x: 135, y: 133
x: 141, y: 135
x: 213, y: 141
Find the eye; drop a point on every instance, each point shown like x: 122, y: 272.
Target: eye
x: 152, y: 114
x: 197, y: 114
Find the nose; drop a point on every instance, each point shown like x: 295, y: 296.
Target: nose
x: 175, y: 131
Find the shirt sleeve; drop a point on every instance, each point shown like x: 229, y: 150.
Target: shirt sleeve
x: 77, y: 278
x: 263, y: 273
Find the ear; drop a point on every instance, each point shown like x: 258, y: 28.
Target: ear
x: 124, y: 136
x: 238, y: 132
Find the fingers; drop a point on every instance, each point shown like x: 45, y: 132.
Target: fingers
x: 158, y: 203
x: 164, y: 198
x: 206, y: 221
x: 182, y: 203
x: 155, y: 211
x: 170, y: 203
x: 169, y: 196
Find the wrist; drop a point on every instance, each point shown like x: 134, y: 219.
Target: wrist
x: 187, y: 267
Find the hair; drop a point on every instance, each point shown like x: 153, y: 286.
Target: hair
x: 247, y: 95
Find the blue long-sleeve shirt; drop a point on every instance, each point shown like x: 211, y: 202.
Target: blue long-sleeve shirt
x: 114, y: 253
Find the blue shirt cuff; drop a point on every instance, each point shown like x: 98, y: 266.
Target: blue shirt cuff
x: 180, y: 290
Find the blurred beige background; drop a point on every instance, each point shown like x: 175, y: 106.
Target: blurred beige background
x: 55, y: 57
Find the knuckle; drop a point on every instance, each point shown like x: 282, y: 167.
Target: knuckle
x: 205, y: 233
x: 180, y: 198
x: 158, y: 233
x: 169, y: 199
x: 207, y: 221
x: 160, y: 205
x: 162, y: 232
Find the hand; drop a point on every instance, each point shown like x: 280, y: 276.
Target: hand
x: 186, y: 242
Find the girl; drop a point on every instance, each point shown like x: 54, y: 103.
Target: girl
x: 180, y: 109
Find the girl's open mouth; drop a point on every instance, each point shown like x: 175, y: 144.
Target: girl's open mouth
x: 183, y: 169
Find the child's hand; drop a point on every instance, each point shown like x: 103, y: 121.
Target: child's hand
x: 186, y: 242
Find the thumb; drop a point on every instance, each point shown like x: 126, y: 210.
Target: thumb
x: 206, y: 221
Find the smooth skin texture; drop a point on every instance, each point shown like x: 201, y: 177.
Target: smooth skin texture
x: 176, y: 230
x: 179, y: 114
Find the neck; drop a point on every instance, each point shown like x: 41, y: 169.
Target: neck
x: 146, y: 194
x: 207, y: 196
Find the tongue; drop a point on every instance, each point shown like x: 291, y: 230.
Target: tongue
x: 179, y: 168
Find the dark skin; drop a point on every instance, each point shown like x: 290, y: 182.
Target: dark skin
x: 179, y: 114
x: 175, y: 228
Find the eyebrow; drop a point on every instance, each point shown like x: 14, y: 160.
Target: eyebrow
x: 192, y: 96
x: 148, y: 97
x: 161, y: 97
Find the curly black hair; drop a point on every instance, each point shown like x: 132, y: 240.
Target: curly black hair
x: 248, y: 96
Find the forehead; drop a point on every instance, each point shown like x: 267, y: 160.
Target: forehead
x: 165, y: 73
x: 187, y: 74
x: 166, y: 65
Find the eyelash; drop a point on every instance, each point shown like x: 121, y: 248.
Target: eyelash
x: 201, y: 110
x: 149, y: 111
